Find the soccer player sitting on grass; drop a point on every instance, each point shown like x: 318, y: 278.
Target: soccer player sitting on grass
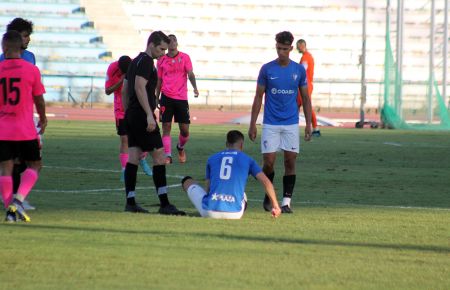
x: 226, y: 176
x: 20, y: 87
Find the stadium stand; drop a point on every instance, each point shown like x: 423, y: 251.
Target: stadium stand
x: 66, y: 45
x: 228, y: 41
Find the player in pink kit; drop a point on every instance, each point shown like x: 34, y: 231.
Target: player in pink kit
x: 20, y: 88
x: 114, y: 80
x: 174, y: 69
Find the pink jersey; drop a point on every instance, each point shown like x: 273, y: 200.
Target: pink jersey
x: 173, y: 71
x: 20, y: 82
x: 113, y: 76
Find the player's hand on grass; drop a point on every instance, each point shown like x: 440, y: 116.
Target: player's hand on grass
x: 276, y: 212
x: 307, y: 133
x: 151, y: 123
x: 252, y: 131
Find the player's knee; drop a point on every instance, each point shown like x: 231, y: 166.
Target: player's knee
x: 186, y: 182
x: 35, y: 165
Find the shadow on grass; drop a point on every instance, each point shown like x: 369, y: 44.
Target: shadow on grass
x: 422, y: 248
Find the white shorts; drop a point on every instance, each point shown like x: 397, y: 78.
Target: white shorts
x: 280, y: 137
x: 196, y: 193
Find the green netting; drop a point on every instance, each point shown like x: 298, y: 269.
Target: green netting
x: 415, y: 112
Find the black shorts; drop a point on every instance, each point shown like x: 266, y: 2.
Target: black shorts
x: 26, y: 150
x: 121, y: 127
x: 138, y: 136
x: 170, y: 108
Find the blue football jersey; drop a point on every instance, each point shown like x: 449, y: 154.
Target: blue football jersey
x: 25, y: 55
x: 228, y: 172
x: 282, y: 84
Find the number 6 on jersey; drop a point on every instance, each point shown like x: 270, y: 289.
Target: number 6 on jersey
x: 225, y: 167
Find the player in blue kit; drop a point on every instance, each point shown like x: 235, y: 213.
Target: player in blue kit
x: 25, y: 28
x: 280, y: 81
x: 226, y: 176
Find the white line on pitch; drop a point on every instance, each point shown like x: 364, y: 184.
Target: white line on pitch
x: 362, y: 205
x: 99, y: 190
x: 101, y: 170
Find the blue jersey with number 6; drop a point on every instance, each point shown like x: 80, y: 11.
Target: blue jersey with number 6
x: 228, y: 171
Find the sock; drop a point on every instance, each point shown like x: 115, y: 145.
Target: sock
x: 130, y: 182
x: 123, y: 157
x: 286, y: 201
x: 271, y: 176
x: 167, y: 143
x: 17, y: 170
x: 288, y: 185
x: 27, y: 181
x: 6, y: 187
x: 159, y: 178
x: 182, y: 140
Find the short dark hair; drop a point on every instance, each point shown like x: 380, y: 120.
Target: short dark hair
x: 124, y: 63
x: 301, y: 41
x: 156, y: 37
x: 12, y: 40
x: 20, y: 25
x: 172, y: 35
x: 284, y: 37
x: 234, y: 136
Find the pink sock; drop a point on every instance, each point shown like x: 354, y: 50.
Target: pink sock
x: 6, y: 187
x: 182, y: 140
x: 27, y: 181
x: 167, y: 143
x: 123, y: 157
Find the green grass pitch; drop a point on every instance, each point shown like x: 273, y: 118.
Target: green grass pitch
x: 371, y: 211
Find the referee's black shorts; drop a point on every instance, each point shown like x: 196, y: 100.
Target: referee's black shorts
x: 138, y: 136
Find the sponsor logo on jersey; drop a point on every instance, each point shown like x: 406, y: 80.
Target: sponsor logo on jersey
x: 276, y: 91
x: 223, y: 197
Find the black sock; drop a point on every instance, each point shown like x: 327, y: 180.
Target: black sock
x: 17, y: 170
x: 130, y: 182
x: 288, y: 185
x: 159, y: 178
x: 271, y: 176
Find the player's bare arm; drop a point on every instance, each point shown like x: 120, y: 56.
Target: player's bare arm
x: 191, y: 77
x: 256, y: 108
x: 113, y: 88
x: 141, y: 93
x: 125, y: 95
x: 276, y: 211
x: 307, y: 110
x: 158, y: 91
x: 40, y: 109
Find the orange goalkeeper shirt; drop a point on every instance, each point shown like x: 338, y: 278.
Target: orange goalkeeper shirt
x: 308, y: 63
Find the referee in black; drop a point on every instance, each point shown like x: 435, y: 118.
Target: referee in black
x: 138, y: 95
